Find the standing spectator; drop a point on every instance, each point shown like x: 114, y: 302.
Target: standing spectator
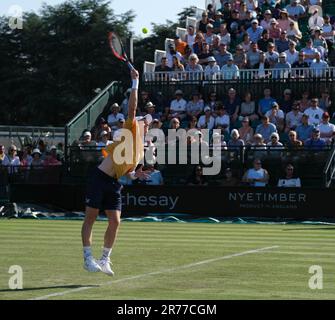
x: 266, y: 128
x: 202, y: 24
x: 315, y: 143
x: 265, y: 104
x: 289, y: 180
x: 246, y: 132
x: 318, y: 67
x: 314, y: 113
x: 293, y: 118
x: 310, y: 52
x: 326, y: 129
x: 325, y: 102
x: 14, y: 160
x: 114, y: 116
x: 197, y: 178
x: 253, y: 56
x: 272, y: 56
x: 255, y: 31
x: 276, y: 117
x: 292, y: 55
x: 212, y: 70
x: 3, y: 157
x: 178, y: 106
x: 223, y: 56
x: 195, y: 106
x: 304, y: 131
x: 257, y: 176
x: 264, y: 41
x: 282, y: 44
x: 230, y: 71
x: 207, y: 121
x: 282, y: 68
x: 232, y: 104
x: 190, y: 36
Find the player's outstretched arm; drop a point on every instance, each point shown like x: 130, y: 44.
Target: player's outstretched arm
x: 133, y: 99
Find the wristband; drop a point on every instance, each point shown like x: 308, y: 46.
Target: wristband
x: 135, y: 84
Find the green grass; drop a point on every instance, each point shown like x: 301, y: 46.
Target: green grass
x: 51, y: 257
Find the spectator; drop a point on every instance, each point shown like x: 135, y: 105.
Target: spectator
x: 224, y: 34
x: 315, y: 143
x: 190, y: 36
x: 310, y: 52
x: 314, y: 113
x: 276, y: 117
x: 293, y: 32
x: 257, y: 176
x: 253, y: 56
x: 295, y: 11
x: 235, y: 141
x: 240, y: 58
x: 315, y: 20
x: 124, y: 104
x: 195, y: 106
x: 212, y: 100
x: 327, y: 130
x: 171, y: 52
x: 232, y: 104
x: 51, y: 158
x: 14, y: 160
x: 215, y: 48
x: 293, y: 118
x: 300, y: 64
x: 328, y: 32
x: 154, y: 176
x: 246, y: 43
x: 319, y: 41
x: 114, y: 116
x: 26, y: 158
x: 282, y: 44
x: 265, y: 104
x: 293, y: 142
x: 262, y: 67
x: 192, y: 124
x: 4, y: 161
x: 319, y: 67
x: 217, y: 22
x: 305, y: 102
x: 272, y: 56
x: 248, y: 107
x: 218, y: 142
x: 230, y: 71
x: 197, y: 178
x: 223, y: 56
x: 255, y: 31
x: 284, y: 20
x: 180, y: 45
x: 289, y: 180
x: 222, y: 120
x: 246, y: 132
x: 229, y: 179
x: 104, y: 141
x: 202, y: 24
x: 163, y: 67
x: 194, y: 69
x: 274, y: 30
x: 264, y: 41
x: 325, y: 102
x: 178, y: 106
x: 86, y: 140
x: 266, y: 22
x: 266, y: 128
x: 212, y: 70
x: 258, y: 146
x: 209, y: 35
x: 286, y: 102
x: 274, y: 145
x: 117, y: 132
x: 37, y: 162
x: 292, y: 55
x: 207, y: 121
x: 282, y: 68
x: 204, y: 55
x: 179, y: 68
x: 304, y: 131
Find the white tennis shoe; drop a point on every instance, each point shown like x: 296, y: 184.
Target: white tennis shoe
x: 105, y: 265
x: 91, y: 265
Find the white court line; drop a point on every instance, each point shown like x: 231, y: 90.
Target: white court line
x: 187, y: 266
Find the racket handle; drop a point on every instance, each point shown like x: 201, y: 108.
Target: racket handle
x: 130, y: 66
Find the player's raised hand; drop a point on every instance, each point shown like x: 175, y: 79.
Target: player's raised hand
x: 134, y: 74
x: 143, y: 175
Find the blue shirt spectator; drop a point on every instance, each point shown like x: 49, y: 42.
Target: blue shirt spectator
x: 315, y: 143
x: 266, y: 129
x: 255, y: 31
x: 230, y: 71
x: 319, y: 67
x: 304, y: 131
x: 265, y: 104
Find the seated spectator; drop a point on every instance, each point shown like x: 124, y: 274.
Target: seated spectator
x: 305, y: 101
x: 179, y: 45
x: 209, y: 35
x: 292, y: 55
x: 262, y: 67
x: 154, y: 176
x: 197, y: 178
x: 276, y: 116
x: 86, y: 141
x: 230, y: 71
x: 205, y: 55
x: 293, y: 32
x: 274, y: 145
x: 114, y: 116
x: 319, y: 67
x: 217, y: 22
x: 143, y: 99
x: 293, y: 118
x: 293, y: 142
x: 193, y: 68
x: 246, y: 43
x: 224, y: 34
x: 198, y: 43
x: 179, y: 68
x: 282, y: 68
x: 274, y: 30
x: 215, y: 47
x: 232, y: 104
x: 51, y: 158
x: 282, y: 44
x: 295, y: 11
x: 240, y: 58
x: 319, y: 41
x: 170, y: 53
x: 265, y: 104
x: 223, y: 56
x: 4, y: 161
x: 315, y: 143
x: 248, y: 107
x: 257, y: 176
x: 326, y: 129
x: 202, y: 24
x: 212, y: 70
x: 186, y: 57
x: 212, y: 101
x: 222, y: 120
x: 310, y: 52
x: 163, y: 67
x: 253, y: 56
x: 289, y: 180
x: 37, y: 162
x: 26, y: 158
x: 255, y: 31
x: 266, y: 128
x: 178, y: 106
x: 229, y: 180
x: 195, y: 106
x: 271, y: 55
x: 218, y: 142
x: 13, y: 159
x: 235, y: 141
x: 284, y: 20
x: 304, y: 131
x: 300, y: 64
x: 207, y: 121
x: 246, y: 132
x: 150, y: 108
x: 286, y: 102
x: 315, y: 20
x: 266, y: 22
x: 325, y: 102
x: 190, y: 36
x: 328, y: 32
x: 264, y: 41
x: 314, y: 113
x: 103, y: 141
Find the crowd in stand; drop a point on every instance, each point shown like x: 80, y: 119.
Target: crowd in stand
x: 253, y: 34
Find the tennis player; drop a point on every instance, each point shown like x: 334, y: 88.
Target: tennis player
x: 104, y: 190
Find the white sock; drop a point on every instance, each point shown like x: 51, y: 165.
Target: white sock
x: 106, y: 253
x: 87, y: 252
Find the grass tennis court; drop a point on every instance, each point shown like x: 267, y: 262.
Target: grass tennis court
x: 169, y: 261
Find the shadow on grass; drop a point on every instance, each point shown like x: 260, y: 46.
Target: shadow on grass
x: 303, y: 229
x: 50, y: 288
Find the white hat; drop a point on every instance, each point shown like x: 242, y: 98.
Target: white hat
x: 115, y: 105
x: 53, y: 148
x: 273, y: 20
x: 87, y: 134
x: 211, y: 59
x: 36, y: 151
x: 254, y: 21
x: 147, y: 117
x: 283, y: 54
x: 207, y: 109
x: 103, y: 133
x: 267, y: 12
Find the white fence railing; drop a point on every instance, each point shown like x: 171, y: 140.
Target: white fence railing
x: 249, y: 74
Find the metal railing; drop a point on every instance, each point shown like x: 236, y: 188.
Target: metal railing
x: 329, y: 171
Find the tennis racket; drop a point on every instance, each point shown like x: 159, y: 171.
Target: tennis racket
x: 118, y: 49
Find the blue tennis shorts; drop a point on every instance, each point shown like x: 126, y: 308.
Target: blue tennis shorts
x: 103, y: 192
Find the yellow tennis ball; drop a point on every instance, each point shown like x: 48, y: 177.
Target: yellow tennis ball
x: 145, y: 30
